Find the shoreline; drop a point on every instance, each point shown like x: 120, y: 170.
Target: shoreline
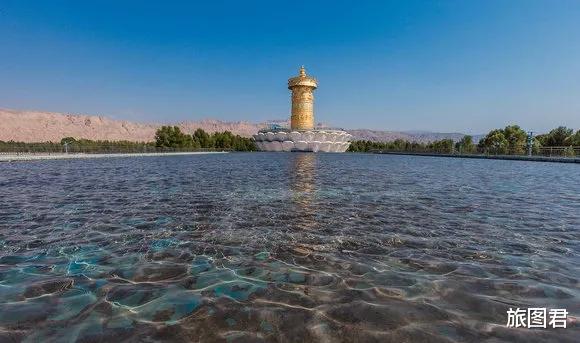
x: 62, y: 156
x: 489, y: 157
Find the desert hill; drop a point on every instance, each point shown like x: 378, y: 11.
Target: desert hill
x: 37, y: 126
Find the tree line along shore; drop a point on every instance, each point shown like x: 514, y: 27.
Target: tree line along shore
x: 510, y: 140
x: 167, y: 139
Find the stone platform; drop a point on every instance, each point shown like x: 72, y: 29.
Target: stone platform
x: 309, y: 140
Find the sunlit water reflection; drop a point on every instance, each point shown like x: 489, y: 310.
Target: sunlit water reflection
x: 288, y: 247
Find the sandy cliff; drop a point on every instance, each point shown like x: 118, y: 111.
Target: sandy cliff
x: 36, y: 126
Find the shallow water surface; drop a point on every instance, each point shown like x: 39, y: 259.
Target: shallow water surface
x: 286, y: 247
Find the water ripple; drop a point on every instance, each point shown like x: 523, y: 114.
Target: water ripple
x: 286, y: 247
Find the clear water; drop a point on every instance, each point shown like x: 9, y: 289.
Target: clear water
x: 286, y: 247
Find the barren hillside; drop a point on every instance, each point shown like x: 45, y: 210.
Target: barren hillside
x: 34, y: 126
x: 37, y: 126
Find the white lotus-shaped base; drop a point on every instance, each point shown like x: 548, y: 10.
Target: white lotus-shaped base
x: 313, y: 141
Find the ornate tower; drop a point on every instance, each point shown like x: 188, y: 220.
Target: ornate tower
x: 302, y: 136
x: 302, y: 87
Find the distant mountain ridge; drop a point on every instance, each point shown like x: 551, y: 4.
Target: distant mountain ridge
x: 38, y: 126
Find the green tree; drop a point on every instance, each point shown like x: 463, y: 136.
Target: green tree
x: 574, y: 139
x: 223, y: 140
x: 465, y: 145
x: 516, y: 139
x: 203, y: 138
x: 172, y: 137
x: 444, y: 146
x: 494, y: 142
x: 67, y: 140
x: 557, y: 137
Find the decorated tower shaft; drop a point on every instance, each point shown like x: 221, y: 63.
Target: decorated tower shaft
x: 302, y: 87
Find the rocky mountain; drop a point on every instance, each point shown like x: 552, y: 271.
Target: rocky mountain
x: 36, y: 126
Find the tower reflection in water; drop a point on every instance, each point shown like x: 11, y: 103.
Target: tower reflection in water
x: 303, y: 189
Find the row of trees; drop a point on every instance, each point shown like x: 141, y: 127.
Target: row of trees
x: 444, y: 146
x: 167, y: 138
x: 509, y: 140
x: 70, y: 144
x: 513, y: 140
x: 172, y: 137
x: 12, y: 146
x: 560, y: 136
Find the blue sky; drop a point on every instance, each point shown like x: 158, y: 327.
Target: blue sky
x: 448, y: 66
